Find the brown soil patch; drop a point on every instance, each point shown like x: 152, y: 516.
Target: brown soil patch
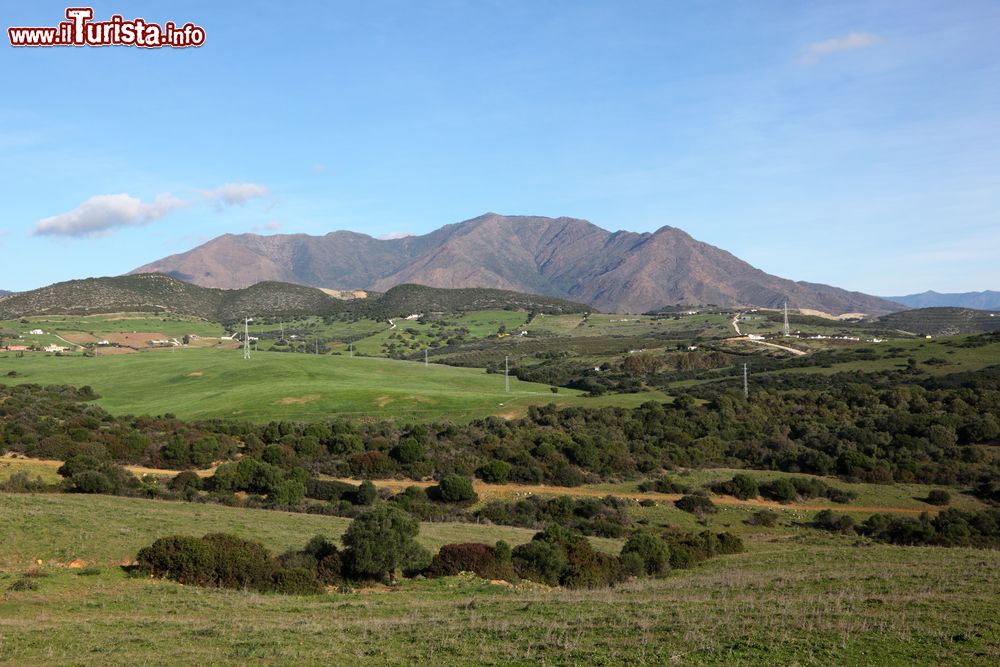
x: 196, y: 374
x: 76, y: 564
x: 383, y: 401
x: 298, y: 400
x: 137, y: 339
x: 79, y: 337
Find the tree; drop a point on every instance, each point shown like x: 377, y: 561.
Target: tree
x: 380, y: 541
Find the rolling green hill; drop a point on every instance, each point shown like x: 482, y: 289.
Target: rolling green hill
x: 153, y: 293
x: 942, y: 321
x: 203, y: 383
x: 160, y: 293
x: 404, y: 300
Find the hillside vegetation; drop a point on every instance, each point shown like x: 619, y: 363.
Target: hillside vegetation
x: 942, y: 321
x: 153, y: 293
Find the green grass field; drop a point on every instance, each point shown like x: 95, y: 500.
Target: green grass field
x: 201, y: 383
x: 796, y: 596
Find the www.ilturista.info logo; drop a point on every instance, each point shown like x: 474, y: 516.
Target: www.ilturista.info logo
x: 80, y: 30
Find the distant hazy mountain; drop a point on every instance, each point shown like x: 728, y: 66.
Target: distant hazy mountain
x: 987, y: 300
x: 4, y: 293
x: 561, y: 257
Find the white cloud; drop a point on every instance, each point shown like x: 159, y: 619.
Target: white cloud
x: 102, y: 213
x: 394, y: 235
x: 270, y: 226
x: 231, y: 194
x: 855, y: 40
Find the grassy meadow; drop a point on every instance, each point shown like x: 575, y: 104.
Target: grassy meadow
x: 797, y: 596
x: 201, y: 383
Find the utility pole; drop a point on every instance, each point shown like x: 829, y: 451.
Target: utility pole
x: 746, y: 385
x: 788, y: 329
x: 246, y: 338
x: 506, y: 375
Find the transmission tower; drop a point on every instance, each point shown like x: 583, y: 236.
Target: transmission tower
x: 788, y: 329
x: 746, y: 384
x: 246, y: 338
x: 506, y: 375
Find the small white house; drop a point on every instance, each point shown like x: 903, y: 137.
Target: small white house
x: 55, y: 348
x: 36, y: 332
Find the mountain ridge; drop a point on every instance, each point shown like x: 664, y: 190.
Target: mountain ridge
x: 563, y: 257
x: 985, y: 300
x: 155, y: 292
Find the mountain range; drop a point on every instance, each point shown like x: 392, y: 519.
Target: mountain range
x: 561, y: 257
x: 986, y: 300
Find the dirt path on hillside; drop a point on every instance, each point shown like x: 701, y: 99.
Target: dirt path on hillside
x: 503, y: 491
x: 137, y: 470
x: 497, y: 491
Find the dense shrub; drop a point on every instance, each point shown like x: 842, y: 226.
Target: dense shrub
x: 789, y: 489
x: 224, y: 561
x: 603, y: 517
x: 649, y: 551
x: 185, y: 559
x: 88, y: 474
x: 950, y: 528
x: 186, y: 481
x: 663, y: 484
x: 741, y: 486
x: 494, y: 472
x: 329, y: 490
x: 559, y: 556
x: 696, y: 503
x: 455, y: 489
x: 482, y: 559
x: 827, y: 520
x: 938, y: 497
x: 296, y: 581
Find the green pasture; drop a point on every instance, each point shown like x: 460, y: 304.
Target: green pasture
x: 203, y: 383
x: 796, y: 596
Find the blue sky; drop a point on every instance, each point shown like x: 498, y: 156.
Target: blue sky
x: 850, y: 143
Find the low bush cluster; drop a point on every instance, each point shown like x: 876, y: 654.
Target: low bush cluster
x: 489, y: 562
x: 603, y: 517
x: 84, y: 473
x: 789, y: 489
x: 663, y: 484
x: 696, y: 503
x: 950, y: 528
x: 223, y: 561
